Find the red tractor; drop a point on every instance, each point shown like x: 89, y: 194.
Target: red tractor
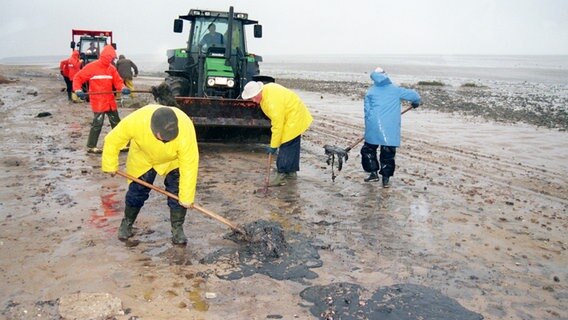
x: 91, y: 43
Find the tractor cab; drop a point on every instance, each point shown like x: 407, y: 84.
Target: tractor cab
x: 216, y: 60
x: 90, y: 43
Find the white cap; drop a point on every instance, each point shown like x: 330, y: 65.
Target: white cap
x: 252, y: 89
x: 379, y: 70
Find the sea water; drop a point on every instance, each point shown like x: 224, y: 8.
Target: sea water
x: 550, y: 69
x: 514, y: 74
x: 450, y: 69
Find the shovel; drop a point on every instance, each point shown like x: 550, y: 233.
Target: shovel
x: 333, y: 152
x: 113, y: 92
x: 265, y: 190
x: 195, y: 206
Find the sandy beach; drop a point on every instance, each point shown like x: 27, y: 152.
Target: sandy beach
x: 477, y: 211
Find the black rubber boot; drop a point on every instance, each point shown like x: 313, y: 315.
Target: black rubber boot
x: 386, y: 182
x: 278, y: 180
x: 372, y: 177
x: 177, y: 218
x: 125, y: 229
x: 95, y: 132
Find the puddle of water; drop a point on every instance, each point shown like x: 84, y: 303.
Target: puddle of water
x: 196, y: 296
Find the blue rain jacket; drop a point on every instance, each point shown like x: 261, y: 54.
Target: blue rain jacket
x: 382, y: 110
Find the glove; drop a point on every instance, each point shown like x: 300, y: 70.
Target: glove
x: 415, y: 105
x: 125, y: 91
x: 80, y: 94
x: 271, y: 150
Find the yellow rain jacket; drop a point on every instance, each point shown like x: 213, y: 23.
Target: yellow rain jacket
x: 147, y: 152
x: 288, y: 115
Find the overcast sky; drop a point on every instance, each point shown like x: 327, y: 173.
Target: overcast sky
x: 43, y: 27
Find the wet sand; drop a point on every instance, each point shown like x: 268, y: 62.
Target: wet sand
x: 477, y: 211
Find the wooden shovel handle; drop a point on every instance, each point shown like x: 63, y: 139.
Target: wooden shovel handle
x: 113, y: 92
x: 267, y: 178
x: 173, y: 196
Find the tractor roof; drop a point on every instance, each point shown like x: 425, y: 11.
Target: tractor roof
x: 92, y: 33
x: 197, y: 13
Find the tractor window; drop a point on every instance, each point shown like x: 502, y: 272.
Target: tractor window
x: 237, y: 38
x: 92, y: 47
x: 214, y: 33
x: 209, y: 33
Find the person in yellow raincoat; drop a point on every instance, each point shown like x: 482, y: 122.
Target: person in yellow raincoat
x: 162, y: 141
x: 289, y: 118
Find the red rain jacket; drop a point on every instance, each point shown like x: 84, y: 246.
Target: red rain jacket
x: 73, y: 64
x: 102, y: 76
x: 64, y: 68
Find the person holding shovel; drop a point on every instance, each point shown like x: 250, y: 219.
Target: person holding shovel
x: 382, y: 125
x: 289, y: 118
x: 162, y: 141
x: 102, y: 77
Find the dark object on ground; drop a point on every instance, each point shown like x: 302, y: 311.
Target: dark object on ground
x: 164, y: 96
x: 268, y: 251
x: 43, y: 114
x: 399, y: 301
x: 264, y: 239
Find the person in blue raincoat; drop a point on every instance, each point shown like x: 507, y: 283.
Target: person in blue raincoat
x: 382, y: 125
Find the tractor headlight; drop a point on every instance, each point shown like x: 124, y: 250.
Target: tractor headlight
x: 220, y: 82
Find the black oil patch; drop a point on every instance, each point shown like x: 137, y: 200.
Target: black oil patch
x: 396, y: 302
x: 267, y: 249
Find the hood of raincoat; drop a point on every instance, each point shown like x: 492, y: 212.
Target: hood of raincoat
x: 107, y: 55
x: 75, y: 54
x: 380, y: 78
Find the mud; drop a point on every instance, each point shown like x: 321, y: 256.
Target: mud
x: 402, y: 302
x: 267, y: 250
x: 262, y: 239
x: 477, y: 211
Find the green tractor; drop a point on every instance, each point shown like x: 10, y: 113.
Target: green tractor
x: 208, y: 76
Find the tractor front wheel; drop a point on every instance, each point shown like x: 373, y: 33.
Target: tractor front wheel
x: 179, y: 86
